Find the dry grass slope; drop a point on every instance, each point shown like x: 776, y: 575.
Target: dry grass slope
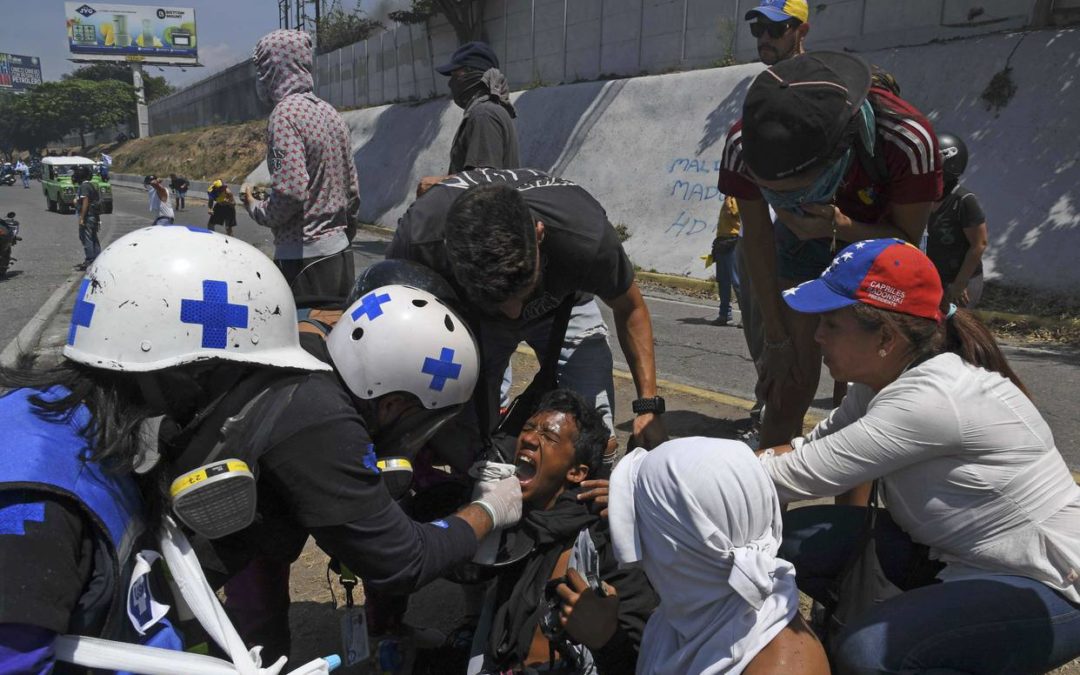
x: 228, y: 152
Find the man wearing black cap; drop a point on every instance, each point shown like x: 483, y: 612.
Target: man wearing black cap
x: 840, y: 162
x: 486, y: 137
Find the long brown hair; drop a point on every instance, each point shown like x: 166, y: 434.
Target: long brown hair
x: 962, y: 334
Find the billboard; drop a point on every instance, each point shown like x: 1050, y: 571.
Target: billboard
x: 19, y: 72
x: 147, y: 33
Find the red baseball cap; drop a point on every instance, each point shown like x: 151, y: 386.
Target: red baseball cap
x: 890, y: 274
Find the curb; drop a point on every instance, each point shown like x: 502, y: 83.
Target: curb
x: 26, y: 342
x: 689, y: 389
x: 675, y: 281
x: 709, y: 287
x: 377, y: 229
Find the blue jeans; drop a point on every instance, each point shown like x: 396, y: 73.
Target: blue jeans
x: 797, y: 259
x: 988, y: 624
x: 26, y: 180
x: 727, y: 277
x: 585, y: 361
x: 88, y: 237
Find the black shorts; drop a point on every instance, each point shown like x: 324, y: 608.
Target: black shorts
x: 224, y: 214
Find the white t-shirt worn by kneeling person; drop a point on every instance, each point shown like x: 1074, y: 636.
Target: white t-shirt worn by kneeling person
x: 158, y: 207
x: 968, y: 466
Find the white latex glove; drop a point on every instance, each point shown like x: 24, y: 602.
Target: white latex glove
x: 501, y: 499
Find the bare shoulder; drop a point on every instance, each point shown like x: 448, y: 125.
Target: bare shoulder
x: 795, y: 651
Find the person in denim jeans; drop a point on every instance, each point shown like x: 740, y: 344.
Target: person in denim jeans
x: 88, y: 208
x: 723, y: 253
x: 980, y: 528
x: 840, y: 160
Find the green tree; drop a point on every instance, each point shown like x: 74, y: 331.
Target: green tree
x: 155, y: 87
x: 465, y: 16
x: 34, y: 119
x: 84, y: 105
x: 339, y: 28
x: 8, y: 130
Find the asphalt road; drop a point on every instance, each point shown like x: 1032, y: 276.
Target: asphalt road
x: 689, y: 350
x: 50, y: 246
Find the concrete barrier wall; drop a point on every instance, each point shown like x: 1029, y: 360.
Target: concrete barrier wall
x: 648, y: 148
x: 224, y: 98
x: 561, y: 41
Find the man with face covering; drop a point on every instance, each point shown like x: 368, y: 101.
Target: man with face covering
x: 840, y: 159
x: 315, y: 194
x: 486, y: 137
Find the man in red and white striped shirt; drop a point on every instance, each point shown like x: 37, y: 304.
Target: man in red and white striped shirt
x: 840, y: 161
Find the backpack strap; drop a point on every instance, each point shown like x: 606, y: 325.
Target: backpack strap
x: 874, y: 165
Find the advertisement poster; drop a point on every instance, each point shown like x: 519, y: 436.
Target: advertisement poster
x: 19, y: 72
x: 131, y: 32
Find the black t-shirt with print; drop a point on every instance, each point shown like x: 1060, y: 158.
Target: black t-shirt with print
x: 946, y: 243
x: 580, y: 253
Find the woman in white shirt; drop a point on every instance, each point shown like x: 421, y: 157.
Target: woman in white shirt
x: 974, y: 485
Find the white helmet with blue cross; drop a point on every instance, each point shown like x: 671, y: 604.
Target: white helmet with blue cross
x: 403, y: 339
x: 168, y: 295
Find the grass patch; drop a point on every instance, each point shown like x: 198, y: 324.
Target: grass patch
x: 229, y: 152
x: 1028, y: 315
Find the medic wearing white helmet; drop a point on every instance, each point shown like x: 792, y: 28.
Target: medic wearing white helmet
x: 185, y: 389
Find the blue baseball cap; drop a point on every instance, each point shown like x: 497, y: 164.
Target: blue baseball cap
x: 477, y: 55
x: 781, y: 10
x: 889, y: 274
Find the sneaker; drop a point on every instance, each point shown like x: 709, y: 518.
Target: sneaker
x: 722, y: 321
x: 82, y: 266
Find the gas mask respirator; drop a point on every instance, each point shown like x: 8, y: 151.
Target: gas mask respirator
x: 211, y: 463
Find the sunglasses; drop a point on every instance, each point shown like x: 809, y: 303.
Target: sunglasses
x: 774, y: 29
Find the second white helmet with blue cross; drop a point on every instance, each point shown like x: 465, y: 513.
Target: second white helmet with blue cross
x: 403, y: 339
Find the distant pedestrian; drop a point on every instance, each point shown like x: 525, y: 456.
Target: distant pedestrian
x: 106, y: 165
x: 179, y: 185
x: 723, y: 253
x: 956, y: 235
x: 159, y: 201
x: 88, y: 209
x: 314, y: 192
x: 24, y: 171
x: 222, y: 207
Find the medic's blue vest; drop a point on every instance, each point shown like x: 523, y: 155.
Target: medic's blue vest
x: 38, y: 453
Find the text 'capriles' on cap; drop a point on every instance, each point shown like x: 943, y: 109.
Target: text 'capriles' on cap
x: 888, y: 274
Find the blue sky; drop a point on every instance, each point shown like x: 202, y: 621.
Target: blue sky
x: 227, y: 30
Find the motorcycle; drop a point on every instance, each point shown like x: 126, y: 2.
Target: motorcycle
x: 9, y: 235
x: 8, y: 179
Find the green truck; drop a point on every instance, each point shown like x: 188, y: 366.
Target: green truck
x: 57, y: 186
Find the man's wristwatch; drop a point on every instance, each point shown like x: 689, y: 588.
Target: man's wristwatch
x: 654, y: 405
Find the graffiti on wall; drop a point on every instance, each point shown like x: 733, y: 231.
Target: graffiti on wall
x: 691, y: 186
